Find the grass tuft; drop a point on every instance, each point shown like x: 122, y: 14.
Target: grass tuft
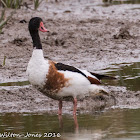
x: 37, y: 3
x: 15, y: 4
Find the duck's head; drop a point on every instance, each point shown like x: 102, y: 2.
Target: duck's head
x: 36, y: 24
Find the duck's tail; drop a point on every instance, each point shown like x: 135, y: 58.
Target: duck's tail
x: 97, y: 90
x: 102, y: 76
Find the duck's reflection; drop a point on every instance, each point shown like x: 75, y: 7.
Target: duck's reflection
x: 60, y: 121
x: 75, y: 122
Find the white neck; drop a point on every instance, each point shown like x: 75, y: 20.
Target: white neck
x: 37, y: 54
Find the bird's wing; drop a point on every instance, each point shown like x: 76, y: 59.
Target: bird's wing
x: 89, y: 76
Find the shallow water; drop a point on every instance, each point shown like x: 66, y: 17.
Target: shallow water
x: 115, y: 124
x: 128, y: 75
x: 114, y: 2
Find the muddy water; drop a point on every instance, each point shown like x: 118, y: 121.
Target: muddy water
x: 121, y: 2
x: 110, y: 125
x: 128, y: 75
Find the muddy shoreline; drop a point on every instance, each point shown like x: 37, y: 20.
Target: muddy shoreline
x: 91, y: 37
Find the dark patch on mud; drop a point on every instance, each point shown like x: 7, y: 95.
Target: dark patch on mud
x: 123, y: 34
x: 19, y: 41
x: 23, y: 21
x: 90, y: 21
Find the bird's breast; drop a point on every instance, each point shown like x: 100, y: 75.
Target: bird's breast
x: 37, y: 72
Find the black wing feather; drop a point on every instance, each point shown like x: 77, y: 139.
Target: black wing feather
x: 61, y: 66
x: 101, y: 76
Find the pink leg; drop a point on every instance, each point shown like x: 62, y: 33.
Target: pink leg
x: 60, y: 108
x: 76, y: 123
x: 74, y: 106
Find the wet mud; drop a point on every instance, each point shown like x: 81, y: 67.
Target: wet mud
x: 83, y: 34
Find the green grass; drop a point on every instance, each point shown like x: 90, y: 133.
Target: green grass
x: 2, y: 15
x: 37, y: 3
x: 15, y: 4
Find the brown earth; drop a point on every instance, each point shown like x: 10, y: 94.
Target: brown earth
x: 83, y: 34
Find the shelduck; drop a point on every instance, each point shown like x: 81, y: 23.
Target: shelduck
x: 56, y: 80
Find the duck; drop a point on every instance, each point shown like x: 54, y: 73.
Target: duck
x: 56, y: 80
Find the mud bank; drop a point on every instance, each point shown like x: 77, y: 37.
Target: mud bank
x: 30, y: 100
x: 84, y: 34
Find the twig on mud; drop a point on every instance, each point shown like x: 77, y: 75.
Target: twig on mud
x: 3, y: 3
x: 4, y: 61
